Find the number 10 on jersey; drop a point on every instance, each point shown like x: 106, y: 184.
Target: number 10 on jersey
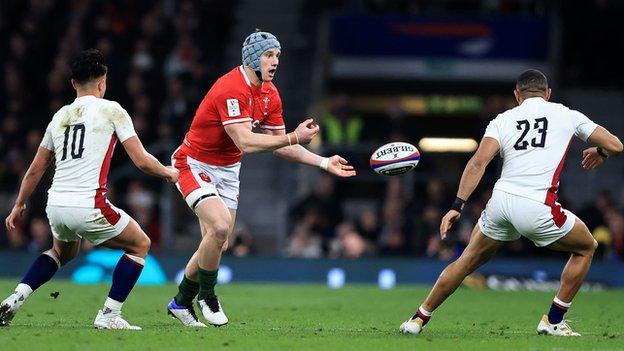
x: 79, y: 133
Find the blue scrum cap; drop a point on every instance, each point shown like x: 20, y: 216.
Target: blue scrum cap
x: 255, y: 45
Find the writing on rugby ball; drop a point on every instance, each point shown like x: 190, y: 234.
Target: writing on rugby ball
x: 394, y: 158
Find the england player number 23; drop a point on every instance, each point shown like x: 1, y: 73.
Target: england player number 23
x: 541, y: 124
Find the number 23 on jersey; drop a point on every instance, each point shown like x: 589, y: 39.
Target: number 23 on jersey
x: 540, y: 124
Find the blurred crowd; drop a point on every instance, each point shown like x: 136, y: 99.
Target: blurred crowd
x: 163, y: 56
x: 407, y: 223
x: 161, y: 60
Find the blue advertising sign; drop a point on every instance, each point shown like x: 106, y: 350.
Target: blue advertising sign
x: 98, y: 266
x: 437, y: 47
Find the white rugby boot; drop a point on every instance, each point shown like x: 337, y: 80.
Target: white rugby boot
x: 213, y: 312
x: 412, y: 326
x: 186, y: 315
x: 560, y: 329
x: 112, y: 320
x: 9, y: 307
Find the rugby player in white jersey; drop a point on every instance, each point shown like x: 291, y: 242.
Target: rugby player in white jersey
x: 533, y: 140
x: 81, y: 138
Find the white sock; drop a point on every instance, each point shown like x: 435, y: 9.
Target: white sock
x: 113, y: 305
x: 424, y: 312
x: 137, y: 259
x: 24, y: 290
x: 53, y: 256
x: 561, y: 303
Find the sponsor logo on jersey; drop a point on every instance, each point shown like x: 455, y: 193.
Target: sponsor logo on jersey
x: 233, y: 108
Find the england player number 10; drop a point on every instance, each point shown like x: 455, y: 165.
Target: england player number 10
x: 78, y: 128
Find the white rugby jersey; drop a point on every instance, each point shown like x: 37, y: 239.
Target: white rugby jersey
x: 82, y: 136
x: 534, y: 139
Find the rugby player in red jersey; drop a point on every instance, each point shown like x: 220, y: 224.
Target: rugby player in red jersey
x: 241, y: 101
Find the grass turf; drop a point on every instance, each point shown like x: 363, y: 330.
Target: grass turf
x: 312, y: 317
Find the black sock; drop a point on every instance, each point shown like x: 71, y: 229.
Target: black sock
x: 125, y: 276
x: 556, y: 313
x: 207, y: 282
x: 42, y: 269
x: 187, y: 290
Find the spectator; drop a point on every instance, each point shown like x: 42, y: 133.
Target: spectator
x: 393, y: 233
x: 348, y: 243
x: 340, y: 126
x: 41, y: 236
x: 240, y: 242
x: 304, y: 243
x: 141, y: 204
x: 321, y: 209
x: 368, y: 226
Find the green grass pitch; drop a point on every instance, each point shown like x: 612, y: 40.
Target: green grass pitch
x: 312, y: 317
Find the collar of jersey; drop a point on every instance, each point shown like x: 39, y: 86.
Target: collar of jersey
x: 86, y: 96
x: 533, y: 99
x: 262, y: 87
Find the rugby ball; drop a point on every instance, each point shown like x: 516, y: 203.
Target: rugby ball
x: 394, y: 158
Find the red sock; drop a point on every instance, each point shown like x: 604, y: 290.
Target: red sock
x: 423, y: 315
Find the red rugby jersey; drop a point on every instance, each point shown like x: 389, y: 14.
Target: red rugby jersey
x: 231, y: 99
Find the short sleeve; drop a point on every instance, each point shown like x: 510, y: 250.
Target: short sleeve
x: 234, y: 107
x: 122, y: 123
x: 583, y: 126
x: 47, y: 142
x: 492, y: 131
x: 275, y: 120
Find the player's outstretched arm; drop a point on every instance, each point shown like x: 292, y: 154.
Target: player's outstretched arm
x: 607, y: 145
x: 249, y: 142
x: 609, y: 142
x: 31, y: 179
x: 335, y: 165
x: 488, y: 148
x: 147, y: 162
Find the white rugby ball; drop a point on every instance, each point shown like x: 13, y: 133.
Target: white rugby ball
x: 394, y: 158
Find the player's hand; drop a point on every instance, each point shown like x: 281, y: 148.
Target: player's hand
x: 16, y: 213
x: 338, y: 166
x: 591, y: 159
x: 447, y: 222
x: 306, y: 131
x: 173, y: 174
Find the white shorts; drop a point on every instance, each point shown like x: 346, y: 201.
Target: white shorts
x: 72, y: 223
x: 507, y: 217
x: 199, y: 181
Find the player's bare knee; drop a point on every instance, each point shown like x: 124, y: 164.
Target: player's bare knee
x: 143, y: 246
x: 62, y: 257
x: 54, y: 252
x: 216, y: 233
x: 65, y: 259
x: 58, y: 257
x: 592, y: 248
x: 140, y: 247
x: 221, y: 230
x: 221, y: 237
